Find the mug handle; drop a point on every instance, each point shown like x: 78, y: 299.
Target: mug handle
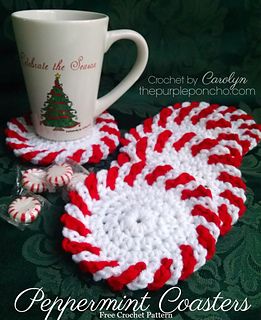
x: 142, y: 57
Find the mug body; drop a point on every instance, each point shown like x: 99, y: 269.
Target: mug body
x: 61, y: 54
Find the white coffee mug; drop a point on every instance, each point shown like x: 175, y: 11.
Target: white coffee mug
x: 61, y: 53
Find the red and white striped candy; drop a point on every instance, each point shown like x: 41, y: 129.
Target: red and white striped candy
x: 59, y: 175
x: 26, y: 144
x: 34, y: 180
x: 140, y: 227
x: 24, y: 209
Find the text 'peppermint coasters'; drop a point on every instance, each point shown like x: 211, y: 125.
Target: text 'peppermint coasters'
x: 103, y: 140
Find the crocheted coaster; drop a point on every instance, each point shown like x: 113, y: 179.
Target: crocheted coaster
x: 140, y: 227
x: 233, y: 128
x: 199, y: 148
x: 22, y: 139
x: 126, y: 224
x: 221, y: 122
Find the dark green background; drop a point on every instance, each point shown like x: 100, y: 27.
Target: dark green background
x: 185, y: 38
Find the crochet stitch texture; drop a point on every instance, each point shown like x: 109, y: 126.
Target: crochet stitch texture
x: 205, y: 140
x: 22, y: 139
x: 128, y: 228
x: 154, y: 217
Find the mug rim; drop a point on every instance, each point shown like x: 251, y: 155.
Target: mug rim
x: 31, y: 15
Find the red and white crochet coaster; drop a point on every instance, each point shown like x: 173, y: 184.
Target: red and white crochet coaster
x: 230, y: 126
x: 196, y: 138
x: 221, y: 122
x: 140, y: 227
x: 22, y: 139
x: 137, y: 223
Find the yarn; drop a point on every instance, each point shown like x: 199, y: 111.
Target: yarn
x: 202, y: 139
x: 154, y: 217
x: 146, y: 229
x: 22, y: 139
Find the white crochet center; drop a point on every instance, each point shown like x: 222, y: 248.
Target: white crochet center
x: 140, y: 223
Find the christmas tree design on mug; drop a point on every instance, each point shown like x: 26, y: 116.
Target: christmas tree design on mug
x: 58, y: 111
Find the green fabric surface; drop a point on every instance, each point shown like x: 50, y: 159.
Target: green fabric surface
x: 185, y: 37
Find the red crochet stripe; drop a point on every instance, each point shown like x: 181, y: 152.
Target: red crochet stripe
x: 91, y: 184
x: 252, y: 135
x: 228, y: 110
x: 78, y: 201
x: 157, y: 172
x: 163, y: 117
x: 122, y: 158
x: 147, y: 125
x: 28, y: 156
x: 234, y: 200
x: 74, y: 224
x: 111, y: 177
x: 141, y: 147
x: 221, y: 123
x: 206, y: 240
x: 124, y: 141
x: 236, y: 182
x: 205, y: 144
x: 95, y: 266
x: 224, y: 159
x: 182, y: 179
x: 16, y: 122
x: 234, y: 152
x: 97, y: 154
x: 110, y: 130
x: 135, y: 170
x: 245, y: 144
x: 75, y: 247
x: 100, y: 120
x: 236, y: 117
x: 179, y: 144
x: 162, y: 275
x: 200, y: 191
x: 204, y: 113
x: 209, y: 215
x: 49, y: 158
x: 127, y: 276
x: 226, y: 219
x: 13, y: 145
x: 253, y: 126
x: 177, y: 106
x: 184, y: 112
x: 77, y: 155
x: 135, y: 134
x: 162, y: 140
x: 109, y: 143
x: 12, y: 134
x: 189, y: 261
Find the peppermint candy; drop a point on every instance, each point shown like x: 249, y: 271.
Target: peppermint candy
x: 59, y: 175
x: 26, y: 144
x: 34, y: 180
x: 24, y: 209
